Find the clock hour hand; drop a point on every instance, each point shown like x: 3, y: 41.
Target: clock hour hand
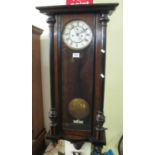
x: 77, y: 31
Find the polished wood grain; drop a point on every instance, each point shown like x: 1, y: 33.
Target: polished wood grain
x: 77, y: 75
x: 84, y: 77
x: 38, y: 131
x: 80, y: 9
x: 38, y: 144
x: 37, y: 105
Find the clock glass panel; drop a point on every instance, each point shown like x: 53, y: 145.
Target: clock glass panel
x: 77, y: 64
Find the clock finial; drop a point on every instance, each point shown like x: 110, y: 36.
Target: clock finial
x: 104, y: 19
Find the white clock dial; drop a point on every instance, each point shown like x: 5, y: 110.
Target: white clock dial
x: 77, y: 35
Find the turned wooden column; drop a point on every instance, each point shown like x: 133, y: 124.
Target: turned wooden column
x: 100, y: 118
x: 103, y: 20
x: 52, y: 114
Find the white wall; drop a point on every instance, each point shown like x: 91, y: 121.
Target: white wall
x: 113, y: 91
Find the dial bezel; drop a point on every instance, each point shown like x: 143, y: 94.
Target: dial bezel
x: 90, y: 32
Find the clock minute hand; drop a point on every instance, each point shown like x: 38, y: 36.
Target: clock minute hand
x: 76, y: 30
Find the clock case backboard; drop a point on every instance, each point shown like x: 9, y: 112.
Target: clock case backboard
x: 82, y: 77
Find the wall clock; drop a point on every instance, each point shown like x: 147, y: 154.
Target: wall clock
x: 77, y: 71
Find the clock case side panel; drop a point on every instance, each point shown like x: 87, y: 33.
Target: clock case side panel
x: 56, y: 83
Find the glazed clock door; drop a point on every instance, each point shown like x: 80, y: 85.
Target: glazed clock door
x: 77, y: 64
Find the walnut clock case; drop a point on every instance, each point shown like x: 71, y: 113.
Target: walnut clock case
x: 77, y: 71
